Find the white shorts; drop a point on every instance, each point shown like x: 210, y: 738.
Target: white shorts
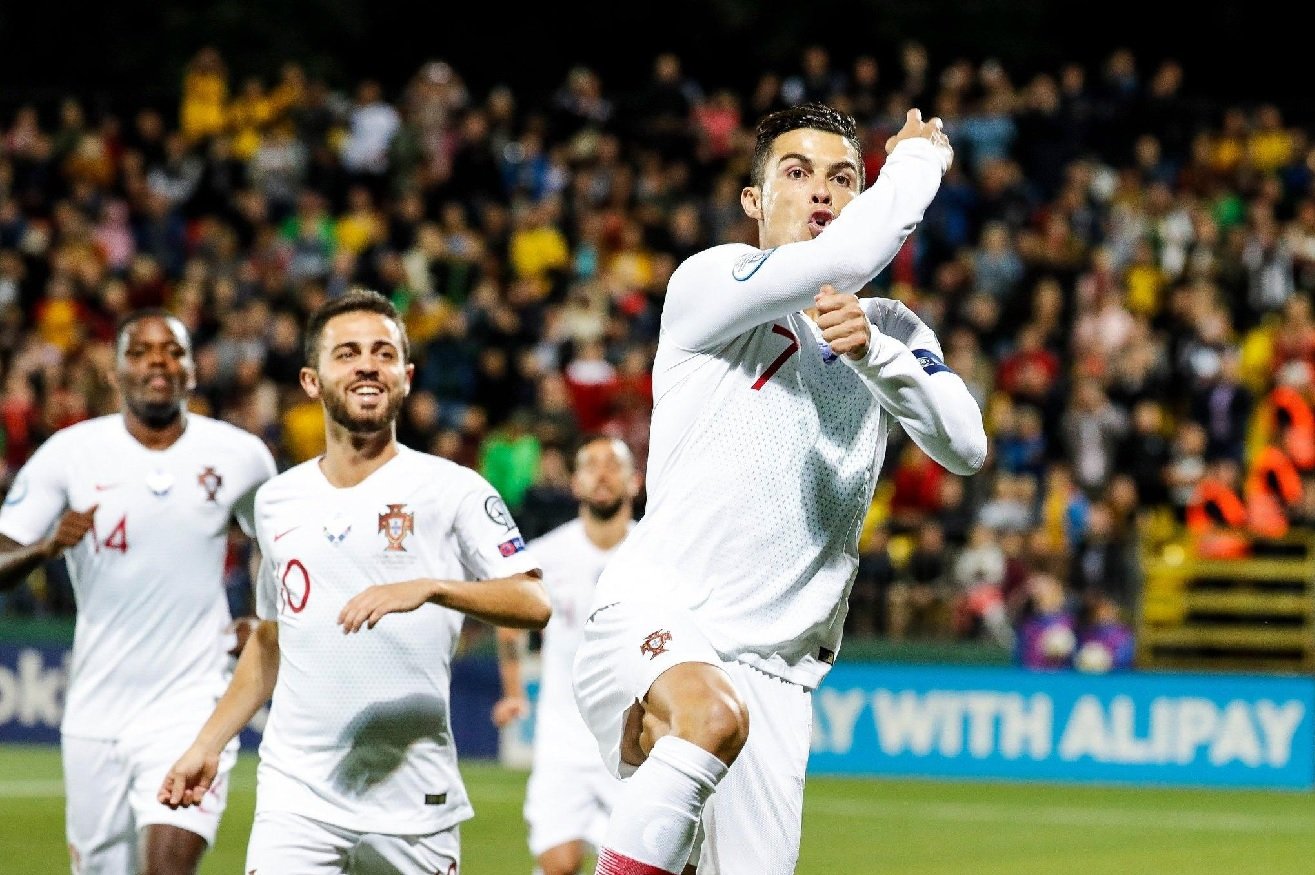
x: 624, y: 648
x: 566, y: 801
x: 752, y: 822
x: 283, y: 843
x: 110, y: 787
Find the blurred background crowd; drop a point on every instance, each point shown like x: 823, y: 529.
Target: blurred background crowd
x: 1120, y: 268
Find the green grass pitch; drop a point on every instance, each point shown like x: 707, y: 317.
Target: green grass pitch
x: 900, y: 827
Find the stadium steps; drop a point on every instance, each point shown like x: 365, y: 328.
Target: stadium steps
x: 1255, y: 614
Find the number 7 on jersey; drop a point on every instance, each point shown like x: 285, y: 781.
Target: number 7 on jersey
x: 780, y: 359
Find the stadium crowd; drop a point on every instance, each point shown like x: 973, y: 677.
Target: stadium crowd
x: 1120, y: 270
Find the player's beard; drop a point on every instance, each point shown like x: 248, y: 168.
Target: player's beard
x: 335, y: 405
x: 604, y: 510
x: 157, y: 414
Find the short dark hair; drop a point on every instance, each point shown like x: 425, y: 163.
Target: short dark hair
x: 128, y: 320
x: 817, y: 116
x: 353, y: 301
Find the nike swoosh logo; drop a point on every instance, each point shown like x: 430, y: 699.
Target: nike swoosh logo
x: 101, y: 487
x: 281, y: 534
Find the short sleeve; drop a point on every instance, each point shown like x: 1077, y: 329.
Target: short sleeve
x: 261, y: 467
x: 38, y: 496
x: 267, y: 582
x: 267, y: 590
x: 487, y: 536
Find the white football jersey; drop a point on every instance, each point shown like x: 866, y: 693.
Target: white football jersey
x: 571, y: 566
x: 149, y: 640
x: 765, y: 448
x: 358, y: 734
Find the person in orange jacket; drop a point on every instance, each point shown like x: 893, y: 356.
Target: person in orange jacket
x: 1216, y: 515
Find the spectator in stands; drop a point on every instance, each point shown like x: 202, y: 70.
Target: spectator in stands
x: 1101, y: 563
x: 918, y: 599
x: 372, y: 124
x: 916, y: 489
x: 978, y: 579
x: 1105, y: 642
x: 1047, y: 636
x: 1144, y: 453
x: 1141, y: 220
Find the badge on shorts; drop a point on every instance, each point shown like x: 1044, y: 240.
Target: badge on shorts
x: 747, y: 265
x: 655, y: 644
x: 435, y: 798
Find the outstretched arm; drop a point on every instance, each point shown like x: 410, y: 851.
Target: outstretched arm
x: 726, y: 290
x: 518, y: 601
x: 251, y: 687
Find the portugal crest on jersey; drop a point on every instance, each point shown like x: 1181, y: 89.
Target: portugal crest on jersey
x: 396, y: 525
x: 210, y: 481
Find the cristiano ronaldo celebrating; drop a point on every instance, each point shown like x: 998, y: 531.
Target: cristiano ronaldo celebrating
x: 775, y: 388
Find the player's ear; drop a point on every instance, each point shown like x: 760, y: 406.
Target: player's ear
x: 410, y: 375
x: 310, y: 382
x: 751, y: 202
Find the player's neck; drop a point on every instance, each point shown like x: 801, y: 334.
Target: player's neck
x: 605, y: 533
x: 350, y: 458
x: 152, y: 437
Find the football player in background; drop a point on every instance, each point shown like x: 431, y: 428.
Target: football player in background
x: 570, y: 791
x: 139, y: 503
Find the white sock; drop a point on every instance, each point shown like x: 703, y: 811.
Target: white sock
x: 656, y: 816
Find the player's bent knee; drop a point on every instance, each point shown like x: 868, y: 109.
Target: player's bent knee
x: 718, y: 723
x: 721, y: 728
x: 700, y: 704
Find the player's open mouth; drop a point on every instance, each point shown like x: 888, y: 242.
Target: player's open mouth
x: 367, y: 391
x: 818, y: 221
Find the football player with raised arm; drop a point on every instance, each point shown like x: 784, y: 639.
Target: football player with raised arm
x: 774, y: 390
x: 139, y: 503
x: 371, y: 554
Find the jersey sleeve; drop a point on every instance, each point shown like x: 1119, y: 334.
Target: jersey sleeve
x: 893, y: 319
x: 38, y: 495
x: 724, y: 291
x: 930, y: 401
x: 488, y: 538
x: 267, y: 583
x: 261, y: 467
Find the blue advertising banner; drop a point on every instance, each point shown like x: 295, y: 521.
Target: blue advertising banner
x: 33, y: 679
x: 932, y: 721
x: 1152, y: 728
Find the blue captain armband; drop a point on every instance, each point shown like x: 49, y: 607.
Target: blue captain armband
x: 931, y: 362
